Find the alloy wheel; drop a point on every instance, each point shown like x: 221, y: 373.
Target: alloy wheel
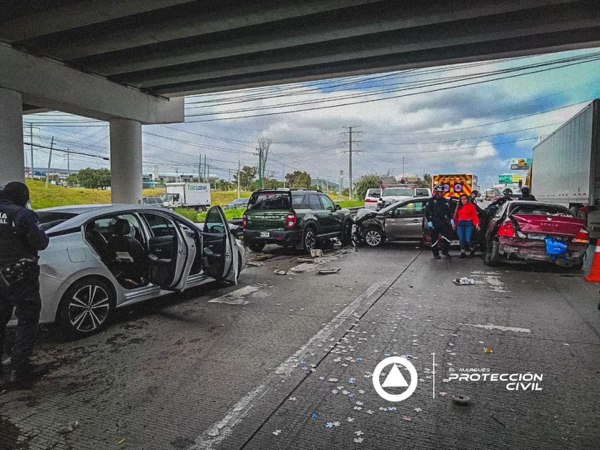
x: 88, y: 308
x: 373, y: 238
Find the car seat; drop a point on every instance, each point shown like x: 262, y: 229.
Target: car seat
x: 128, y: 256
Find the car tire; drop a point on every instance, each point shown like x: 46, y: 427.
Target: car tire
x: 346, y: 233
x: 492, y: 254
x: 578, y: 265
x: 309, y: 239
x: 374, y: 236
x: 256, y: 247
x: 86, y: 307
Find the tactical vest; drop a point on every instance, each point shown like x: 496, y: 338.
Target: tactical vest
x: 13, y: 245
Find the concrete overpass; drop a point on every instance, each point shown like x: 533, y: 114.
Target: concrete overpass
x: 130, y: 62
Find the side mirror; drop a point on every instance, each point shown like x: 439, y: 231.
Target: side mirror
x: 338, y: 207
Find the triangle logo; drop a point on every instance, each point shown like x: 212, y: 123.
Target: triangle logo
x: 395, y: 378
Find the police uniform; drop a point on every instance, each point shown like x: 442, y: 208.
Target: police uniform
x: 437, y: 212
x: 21, y: 237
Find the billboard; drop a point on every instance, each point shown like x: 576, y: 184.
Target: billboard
x: 510, y: 179
x: 520, y: 164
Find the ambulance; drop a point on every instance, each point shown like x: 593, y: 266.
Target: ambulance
x: 456, y: 185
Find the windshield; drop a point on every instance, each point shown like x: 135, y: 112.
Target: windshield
x: 270, y: 200
x: 166, y: 197
x: 52, y: 218
x: 397, y: 192
x: 539, y: 210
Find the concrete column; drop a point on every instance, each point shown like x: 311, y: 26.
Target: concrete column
x: 12, y: 164
x: 126, y: 161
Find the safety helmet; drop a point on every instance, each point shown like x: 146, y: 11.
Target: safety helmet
x: 507, y: 191
x: 439, y: 189
x: 525, y: 190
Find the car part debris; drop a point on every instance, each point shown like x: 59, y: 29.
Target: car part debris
x: 280, y: 272
x: 69, y: 428
x: 303, y: 259
x: 316, y: 253
x: 464, y: 281
x: 329, y: 270
x: 255, y: 263
x: 461, y: 400
x: 489, y: 350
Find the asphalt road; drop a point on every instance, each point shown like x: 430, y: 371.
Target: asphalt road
x: 286, y: 362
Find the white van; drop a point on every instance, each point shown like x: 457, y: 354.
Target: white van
x: 372, y: 198
x: 422, y: 192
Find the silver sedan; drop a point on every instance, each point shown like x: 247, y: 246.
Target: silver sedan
x: 103, y: 257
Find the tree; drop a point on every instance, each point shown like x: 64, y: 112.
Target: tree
x: 272, y: 183
x: 366, y: 182
x: 263, y: 148
x: 426, y: 181
x: 299, y: 179
x: 247, y: 176
x: 223, y: 185
x: 94, y: 178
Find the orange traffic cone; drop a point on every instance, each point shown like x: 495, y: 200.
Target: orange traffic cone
x: 594, y: 275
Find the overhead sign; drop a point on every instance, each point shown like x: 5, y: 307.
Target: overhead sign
x: 517, y: 178
x: 520, y: 164
x: 505, y: 179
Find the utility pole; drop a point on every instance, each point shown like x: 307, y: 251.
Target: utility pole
x: 403, y: 174
x: 283, y: 168
x: 199, y: 167
x: 49, y: 162
x: 350, y: 186
x: 208, y: 175
x: 31, y: 146
x: 68, y: 161
x: 238, y: 177
x: 260, y: 169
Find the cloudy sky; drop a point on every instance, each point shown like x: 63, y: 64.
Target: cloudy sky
x: 470, y: 118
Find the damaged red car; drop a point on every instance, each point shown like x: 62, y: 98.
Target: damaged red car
x: 533, y: 231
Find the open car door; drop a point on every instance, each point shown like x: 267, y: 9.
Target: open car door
x: 220, y: 256
x: 171, y: 252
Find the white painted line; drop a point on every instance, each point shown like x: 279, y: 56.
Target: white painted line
x: 236, y: 297
x: 499, y: 327
x: 433, y: 355
x: 222, y: 429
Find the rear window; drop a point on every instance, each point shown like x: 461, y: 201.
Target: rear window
x: 374, y: 193
x: 397, y: 192
x: 539, y: 210
x: 52, y: 218
x: 270, y: 200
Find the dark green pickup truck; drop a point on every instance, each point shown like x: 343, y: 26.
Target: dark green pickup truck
x: 289, y: 217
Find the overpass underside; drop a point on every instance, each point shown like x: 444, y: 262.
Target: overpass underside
x: 129, y: 62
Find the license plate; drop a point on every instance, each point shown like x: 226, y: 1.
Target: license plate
x: 536, y: 236
x: 265, y: 234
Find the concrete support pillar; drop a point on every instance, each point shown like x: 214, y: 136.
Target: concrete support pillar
x: 126, y: 161
x: 12, y: 164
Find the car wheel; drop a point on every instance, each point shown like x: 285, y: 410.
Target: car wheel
x: 578, y: 265
x: 374, y: 237
x: 86, y: 307
x: 309, y: 240
x: 492, y: 254
x: 347, y: 233
x: 256, y: 247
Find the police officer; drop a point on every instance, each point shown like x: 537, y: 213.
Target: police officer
x: 21, y: 237
x: 527, y: 195
x: 438, y: 217
x: 495, y: 206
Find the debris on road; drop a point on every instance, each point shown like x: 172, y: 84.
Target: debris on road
x: 121, y: 441
x: 329, y: 270
x: 280, y: 272
x: 461, y: 400
x: 255, y: 263
x: 276, y: 432
x: 316, y: 253
x: 261, y: 257
x: 489, y: 350
x: 464, y: 281
x: 304, y: 259
x: 492, y: 416
x: 69, y: 428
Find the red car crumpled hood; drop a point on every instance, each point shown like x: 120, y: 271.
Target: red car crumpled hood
x: 552, y: 225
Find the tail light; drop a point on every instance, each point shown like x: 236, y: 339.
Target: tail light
x: 585, y: 209
x: 582, y: 237
x: 245, y: 221
x: 507, y: 230
x: 291, y: 220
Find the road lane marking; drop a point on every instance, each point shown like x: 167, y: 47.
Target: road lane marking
x: 236, y: 297
x: 499, y: 327
x: 222, y: 429
x: 491, y: 278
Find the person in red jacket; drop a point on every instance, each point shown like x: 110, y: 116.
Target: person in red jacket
x: 465, y: 221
